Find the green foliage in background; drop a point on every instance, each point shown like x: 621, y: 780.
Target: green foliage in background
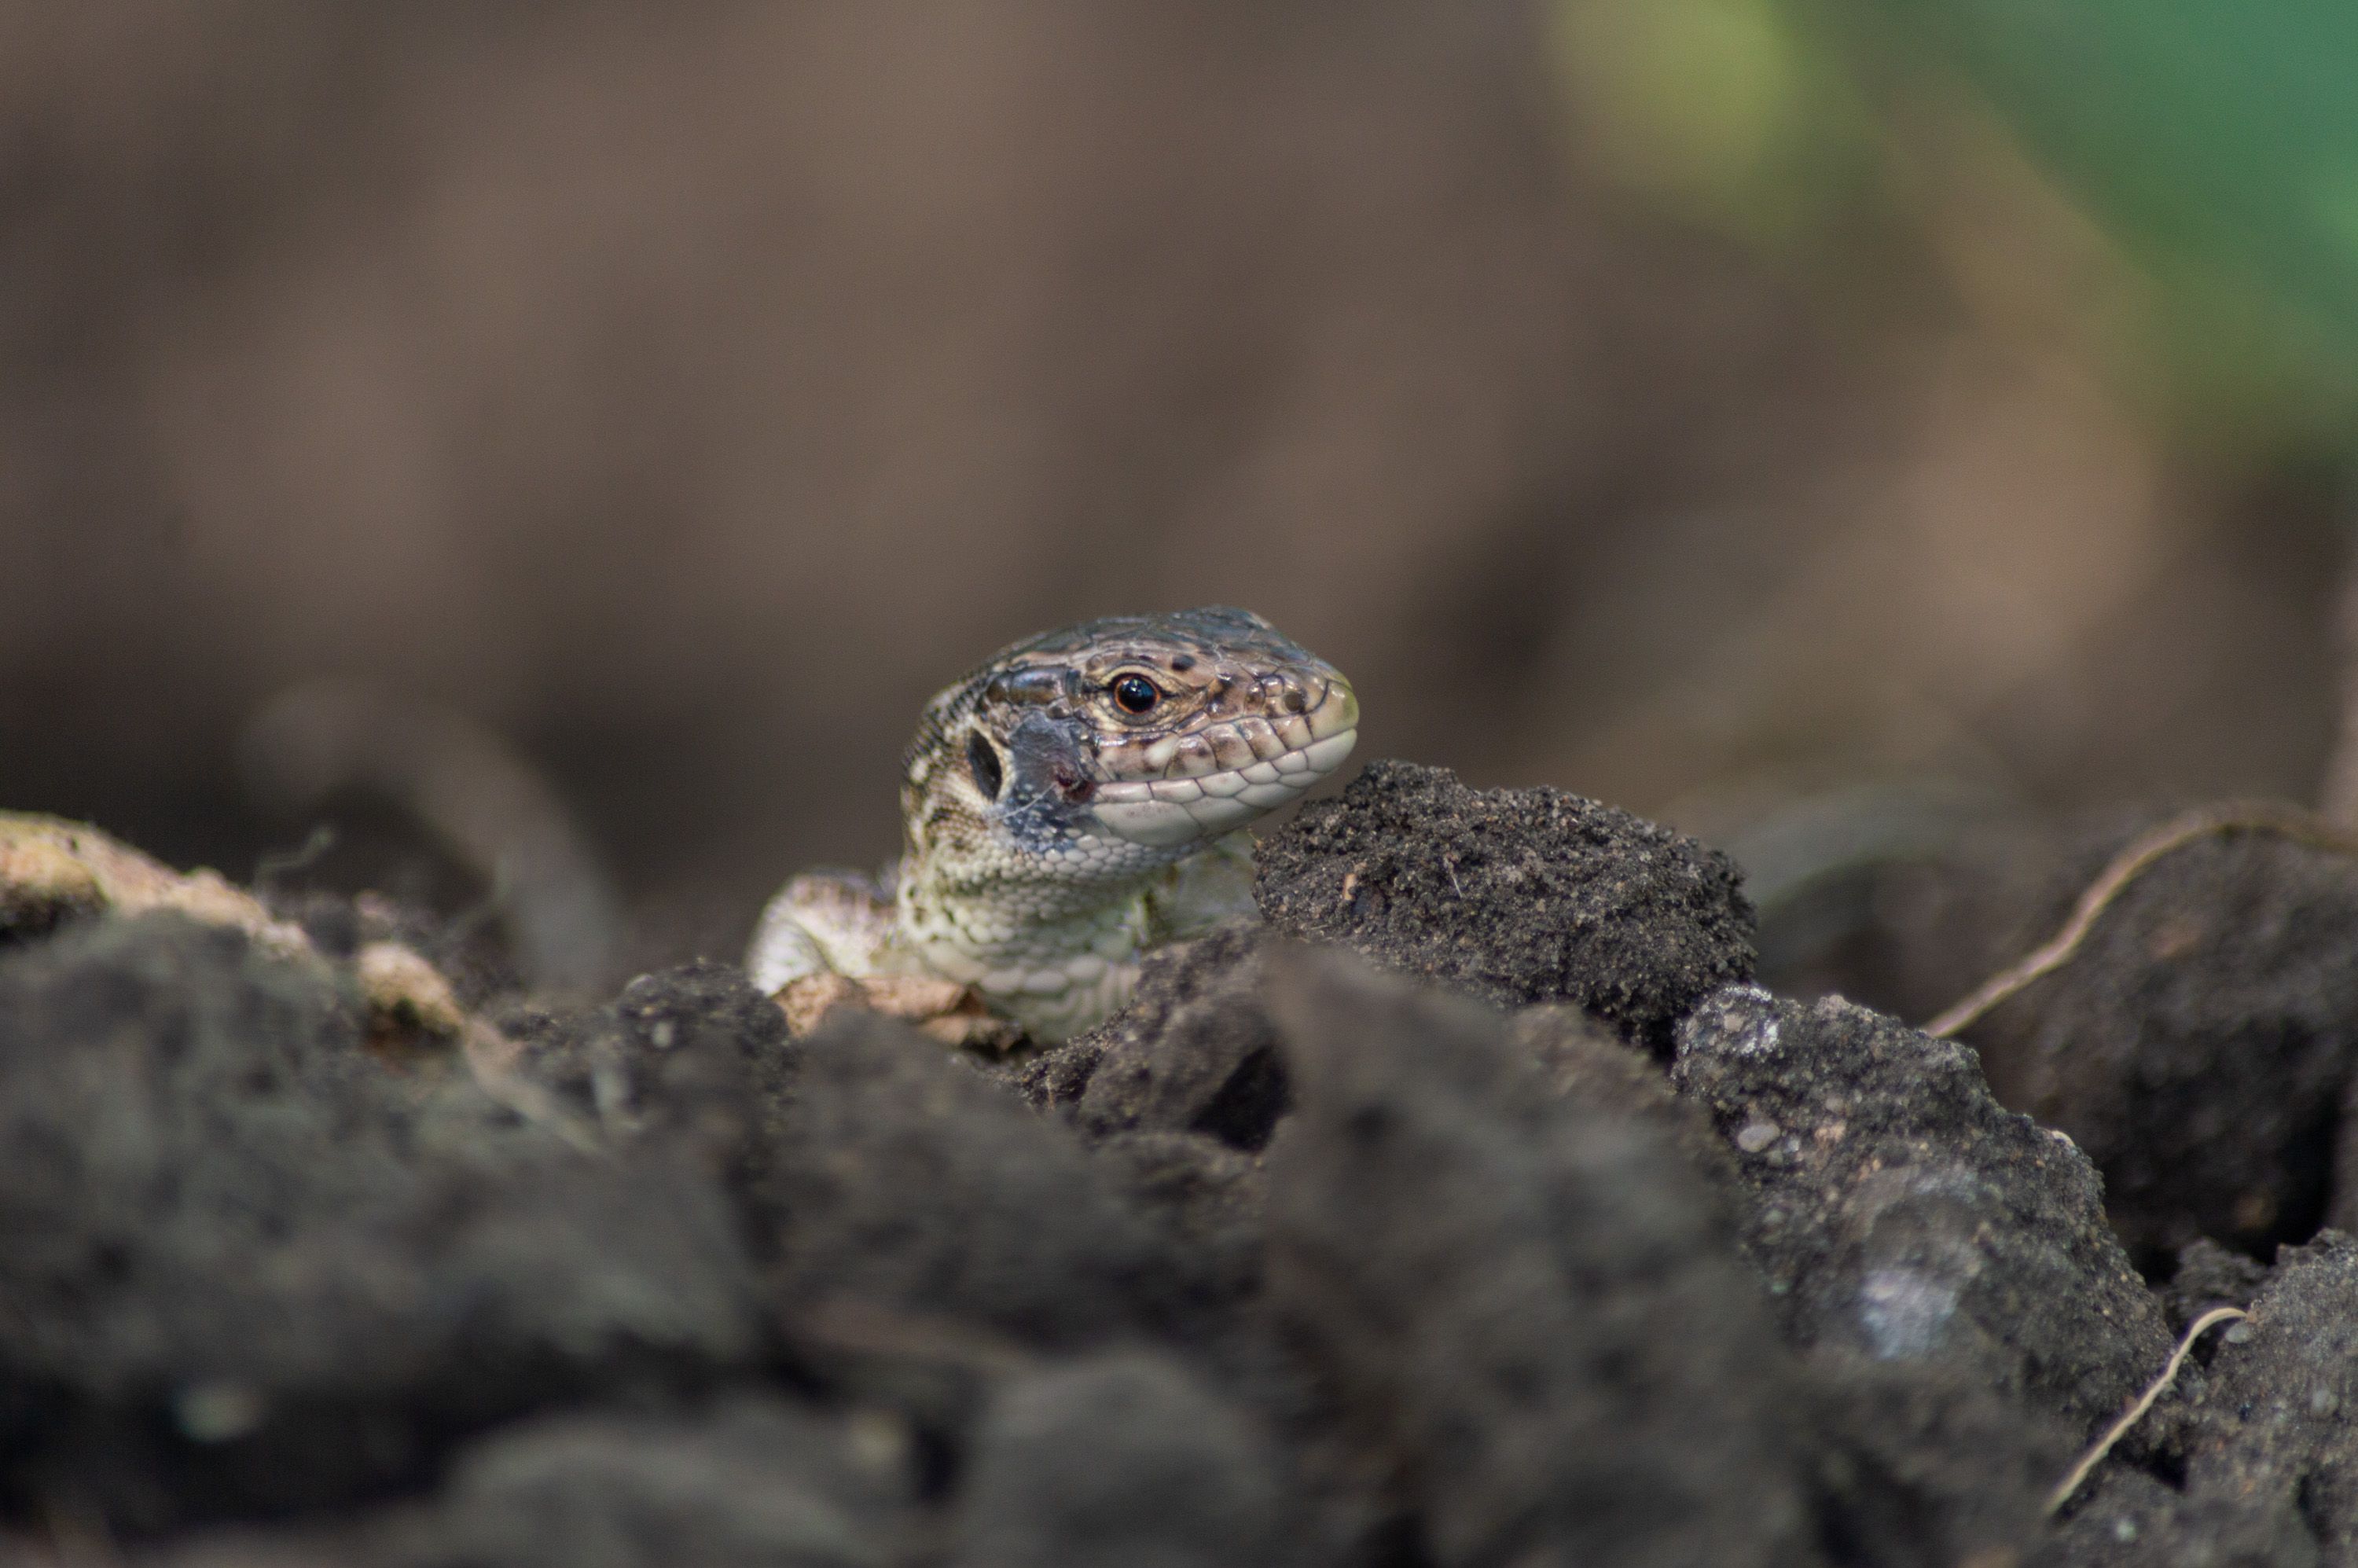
x: 2219, y: 138
x: 2226, y: 128
x: 2214, y: 141
x: 1725, y: 110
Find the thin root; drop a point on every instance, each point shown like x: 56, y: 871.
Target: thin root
x: 2095, y: 1456
x: 2230, y: 817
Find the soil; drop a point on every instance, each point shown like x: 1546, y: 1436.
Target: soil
x: 1476, y: 1208
x: 2200, y: 1047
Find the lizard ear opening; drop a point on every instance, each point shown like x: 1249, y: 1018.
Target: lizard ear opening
x: 982, y: 760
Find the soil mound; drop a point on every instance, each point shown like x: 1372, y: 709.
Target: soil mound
x: 1474, y: 1209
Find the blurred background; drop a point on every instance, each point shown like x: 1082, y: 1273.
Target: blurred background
x: 1761, y: 414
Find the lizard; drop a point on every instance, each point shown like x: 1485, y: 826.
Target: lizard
x: 1080, y: 797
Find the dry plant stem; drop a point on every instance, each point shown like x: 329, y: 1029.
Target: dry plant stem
x: 2228, y: 816
x: 2095, y: 1456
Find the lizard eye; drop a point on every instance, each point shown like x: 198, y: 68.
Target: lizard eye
x: 1136, y: 694
x: 982, y: 760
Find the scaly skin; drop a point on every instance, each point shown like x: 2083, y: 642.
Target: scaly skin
x: 1073, y: 801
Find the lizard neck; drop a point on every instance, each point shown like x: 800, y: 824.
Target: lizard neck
x: 1053, y: 955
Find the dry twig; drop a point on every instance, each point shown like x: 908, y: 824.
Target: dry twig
x: 2228, y: 816
x: 2095, y: 1456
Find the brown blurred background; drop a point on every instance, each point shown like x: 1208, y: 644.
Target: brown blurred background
x: 685, y: 392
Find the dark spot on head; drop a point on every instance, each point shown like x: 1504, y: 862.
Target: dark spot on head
x: 982, y: 759
x: 1049, y: 775
x: 1182, y: 661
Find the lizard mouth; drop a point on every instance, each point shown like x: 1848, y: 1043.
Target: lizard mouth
x: 1221, y: 776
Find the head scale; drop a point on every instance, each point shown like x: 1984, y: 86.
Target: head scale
x: 1107, y: 749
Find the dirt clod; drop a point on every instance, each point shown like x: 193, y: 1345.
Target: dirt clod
x: 905, y: 1180
x: 1525, y: 1301
x: 1294, y: 1261
x: 1512, y: 896
x: 2197, y: 1045
x: 1123, y: 1458
x: 251, y: 1266
x: 1898, y: 1210
x: 1195, y: 1051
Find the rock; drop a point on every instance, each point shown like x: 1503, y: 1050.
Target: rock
x: 754, y: 1484
x: 1205, y: 1200
x: 692, y: 1057
x: 1899, y: 1211
x: 1581, y: 1061
x: 326, y: 1548
x: 2200, y: 1043
x: 905, y: 1181
x: 53, y: 870
x: 1512, y: 896
x: 702, y: 1009
x: 2276, y: 1421
x: 1123, y: 1459
x: 1926, y: 1466
x: 1058, y: 1078
x: 1526, y: 1301
x: 1194, y: 1052
x: 2135, y: 1521
x: 2271, y: 1453
x: 253, y: 1267
x: 1289, y: 1262
x: 471, y: 955
x: 2210, y: 1275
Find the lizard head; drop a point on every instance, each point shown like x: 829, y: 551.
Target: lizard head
x: 1118, y: 746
